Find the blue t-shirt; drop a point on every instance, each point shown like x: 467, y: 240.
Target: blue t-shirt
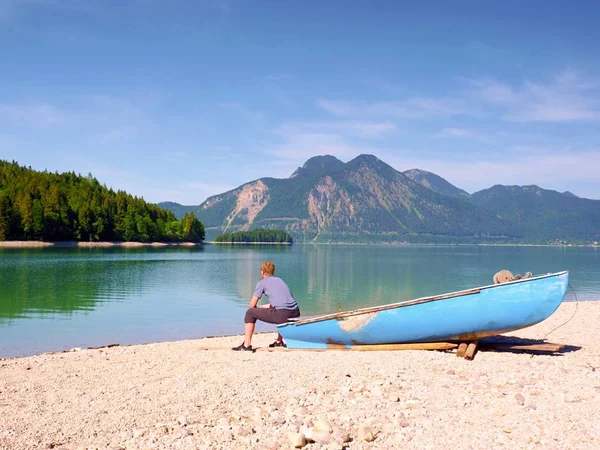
x: 278, y: 292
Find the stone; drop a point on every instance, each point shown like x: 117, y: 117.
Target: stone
x: 322, y: 425
x: 298, y: 440
x: 520, y: 399
x: 182, y: 420
x: 342, y: 436
x: 139, y: 432
x: 365, y: 434
x: 389, y: 428
x: 321, y: 437
x: 181, y: 433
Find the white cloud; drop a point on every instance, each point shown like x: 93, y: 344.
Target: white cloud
x: 301, y: 141
x: 412, y: 108
x: 37, y: 115
x: 121, y: 134
x: 549, y: 168
x: 281, y: 76
x: 567, y: 97
x: 251, y: 116
x: 458, y: 133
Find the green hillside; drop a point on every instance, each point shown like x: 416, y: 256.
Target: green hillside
x: 544, y: 215
x: 56, y: 207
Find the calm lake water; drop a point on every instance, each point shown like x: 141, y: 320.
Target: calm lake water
x: 56, y: 299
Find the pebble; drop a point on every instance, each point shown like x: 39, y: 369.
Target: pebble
x: 365, y: 434
x: 298, y: 440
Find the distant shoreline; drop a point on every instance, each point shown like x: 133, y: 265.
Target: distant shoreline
x: 107, y: 244
x: 251, y: 243
x: 104, y: 244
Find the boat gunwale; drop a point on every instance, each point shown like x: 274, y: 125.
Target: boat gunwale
x: 417, y: 301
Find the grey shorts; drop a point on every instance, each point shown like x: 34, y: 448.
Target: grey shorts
x: 270, y: 315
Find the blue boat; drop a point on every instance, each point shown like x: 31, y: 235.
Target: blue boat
x: 458, y: 316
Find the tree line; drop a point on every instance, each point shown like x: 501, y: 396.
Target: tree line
x: 259, y: 235
x: 48, y: 206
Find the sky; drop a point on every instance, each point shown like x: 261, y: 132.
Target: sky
x: 180, y: 100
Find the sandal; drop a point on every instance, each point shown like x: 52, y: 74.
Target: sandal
x: 278, y: 344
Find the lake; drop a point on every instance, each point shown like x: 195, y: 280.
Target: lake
x: 59, y: 298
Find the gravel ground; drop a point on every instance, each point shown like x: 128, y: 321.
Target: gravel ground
x: 174, y: 395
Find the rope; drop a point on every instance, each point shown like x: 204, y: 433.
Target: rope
x: 573, y: 315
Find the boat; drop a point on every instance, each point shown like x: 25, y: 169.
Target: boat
x: 465, y: 315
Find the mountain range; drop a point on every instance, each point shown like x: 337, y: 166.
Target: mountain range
x: 366, y: 200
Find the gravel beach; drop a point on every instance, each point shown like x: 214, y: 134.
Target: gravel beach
x: 175, y: 395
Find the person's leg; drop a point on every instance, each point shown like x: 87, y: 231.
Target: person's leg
x: 248, y: 332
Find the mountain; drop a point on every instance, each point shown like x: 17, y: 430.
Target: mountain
x: 436, y: 183
x: 543, y: 214
x: 360, y: 201
x: 177, y: 209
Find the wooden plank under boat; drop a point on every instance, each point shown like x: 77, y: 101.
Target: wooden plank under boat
x: 466, y: 315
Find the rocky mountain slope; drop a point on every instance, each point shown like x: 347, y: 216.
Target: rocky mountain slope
x: 366, y: 200
x: 362, y: 200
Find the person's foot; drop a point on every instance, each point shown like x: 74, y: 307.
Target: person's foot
x: 277, y: 344
x: 242, y: 348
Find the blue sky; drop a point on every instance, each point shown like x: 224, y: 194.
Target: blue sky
x: 179, y: 100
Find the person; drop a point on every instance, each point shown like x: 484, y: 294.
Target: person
x: 281, y: 307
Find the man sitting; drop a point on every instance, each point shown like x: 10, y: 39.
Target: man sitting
x: 281, y: 307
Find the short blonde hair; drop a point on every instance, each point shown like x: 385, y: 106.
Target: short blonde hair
x: 268, y: 267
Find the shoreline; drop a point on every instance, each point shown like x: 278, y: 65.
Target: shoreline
x: 179, y: 395
x: 101, y: 244
x: 74, y: 244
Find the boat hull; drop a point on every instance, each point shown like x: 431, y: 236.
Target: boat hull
x: 464, y: 315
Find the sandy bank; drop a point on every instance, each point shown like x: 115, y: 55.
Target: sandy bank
x: 69, y: 244
x: 173, y: 395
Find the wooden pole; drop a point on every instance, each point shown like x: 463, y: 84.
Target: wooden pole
x: 471, y: 350
x: 414, y: 346
x: 544, y: 347
x: 462, y: 348
x: 378, y: 347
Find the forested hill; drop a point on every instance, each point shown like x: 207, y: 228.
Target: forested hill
x: 55, y: 207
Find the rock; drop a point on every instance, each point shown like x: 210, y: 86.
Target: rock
x: 181, y: 433
x: 296, y: 439
x: 520, y: 399
x: 342, y: 436
x: 333, y: 446
x: 182, y: 420
x: 307, y: 431
x: 322, y: 425
x: 389, y: 428
x: 393, y: 398
x: 162, y: 430
x: 139, y: 432
x: 365, y: 434
x: 277, y: 418
x: 402, y: 422
x: 359, y: 388
x: 321, y: 437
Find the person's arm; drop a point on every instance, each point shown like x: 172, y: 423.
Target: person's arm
x: 266, y: 306
x: 254, y: 301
